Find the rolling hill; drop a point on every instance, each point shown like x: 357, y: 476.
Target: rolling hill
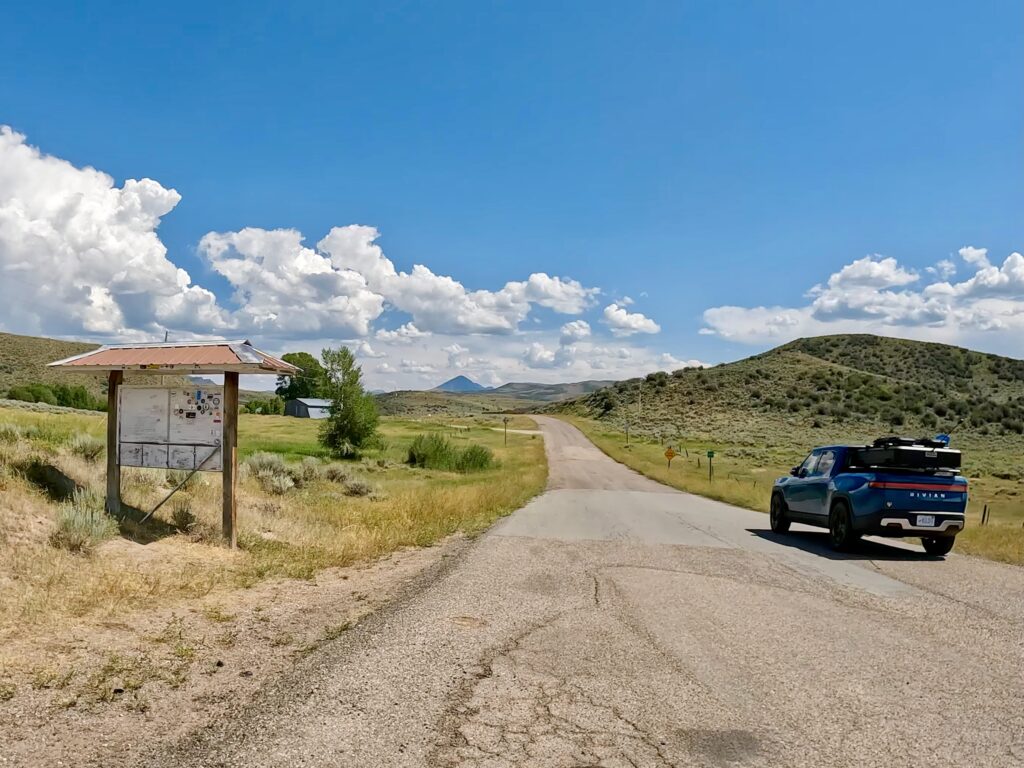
x: 418, y: 404
x: 23, y: 360
x: 512, y: 397
x: 549, y: 392
x: 862, y: 382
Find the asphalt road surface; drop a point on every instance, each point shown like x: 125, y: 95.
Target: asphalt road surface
x: 615, y: 622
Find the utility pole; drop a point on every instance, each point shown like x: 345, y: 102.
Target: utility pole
x: 505, y: 419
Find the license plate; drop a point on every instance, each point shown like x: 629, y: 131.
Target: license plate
x: 926, y: 521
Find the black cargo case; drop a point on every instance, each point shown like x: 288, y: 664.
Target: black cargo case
x: 906, y: 453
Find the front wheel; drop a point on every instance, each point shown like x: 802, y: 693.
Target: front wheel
x: 938, y: 545
x: 777, y: 515
x: 841, y: 535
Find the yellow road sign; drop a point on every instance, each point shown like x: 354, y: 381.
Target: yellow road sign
x: 670, y: 454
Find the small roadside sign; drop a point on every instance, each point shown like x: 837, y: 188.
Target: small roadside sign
x: 711, y: 454
x: 670, y: 454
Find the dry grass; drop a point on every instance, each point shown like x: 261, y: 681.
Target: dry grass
x: 177, y: 555
x: 744, y: 476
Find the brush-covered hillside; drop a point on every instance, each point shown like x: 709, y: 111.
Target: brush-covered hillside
x: 549, y: 392
x: 23, y: 360
x: 834, y: 383
x: 413, y: 404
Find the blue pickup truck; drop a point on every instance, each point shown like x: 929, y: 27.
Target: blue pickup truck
x: 894, y: 487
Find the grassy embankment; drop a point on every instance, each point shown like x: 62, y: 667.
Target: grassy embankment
x: 356, y: 512
x: 744, y: 473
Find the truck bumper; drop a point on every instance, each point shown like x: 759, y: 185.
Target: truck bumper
x: 892, y: 523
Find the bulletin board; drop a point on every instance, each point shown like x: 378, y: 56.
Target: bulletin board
x: 171, y: 427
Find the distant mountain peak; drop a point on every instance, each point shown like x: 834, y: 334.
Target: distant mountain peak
x: 460, y: 384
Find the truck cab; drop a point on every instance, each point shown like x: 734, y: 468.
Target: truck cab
x: 894, y: 487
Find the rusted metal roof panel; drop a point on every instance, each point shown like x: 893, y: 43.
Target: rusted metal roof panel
x: 238, y: 356
x: 166, y: 356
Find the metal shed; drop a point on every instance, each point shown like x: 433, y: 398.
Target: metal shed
x: 308, y: 408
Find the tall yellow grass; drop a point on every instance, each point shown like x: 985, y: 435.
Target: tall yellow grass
x: 313, y: 527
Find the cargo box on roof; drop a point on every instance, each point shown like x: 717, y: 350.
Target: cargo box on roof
x: 906, y: 453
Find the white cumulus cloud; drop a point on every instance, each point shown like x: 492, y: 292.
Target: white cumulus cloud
x: 874, y: 295
x: 624, y: 323
x: 87, y: 254
x: 575, y: 330
x: 404, y: 334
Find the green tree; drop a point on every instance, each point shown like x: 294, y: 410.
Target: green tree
x: 311, y: 381
x: 268, y: 406
x: 353, y: 421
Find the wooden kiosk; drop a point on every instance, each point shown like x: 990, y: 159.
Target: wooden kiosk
x: 185, y: 425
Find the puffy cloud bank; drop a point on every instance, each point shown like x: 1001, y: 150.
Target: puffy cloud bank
x: 80, y: 256
x: 88, y: 252
x: 876, y: 294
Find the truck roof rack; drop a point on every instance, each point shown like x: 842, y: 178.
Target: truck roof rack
x: 894, y: 441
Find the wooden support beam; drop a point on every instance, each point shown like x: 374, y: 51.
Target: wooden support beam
x: 113, y: 467
x: 229, y: 447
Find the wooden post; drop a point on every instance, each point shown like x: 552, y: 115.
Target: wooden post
x: 113, y: 467
x: 229, y: 447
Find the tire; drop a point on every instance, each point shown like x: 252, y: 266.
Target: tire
x: 937, y: 546
x: 777, y: 515
x: 841, y: 535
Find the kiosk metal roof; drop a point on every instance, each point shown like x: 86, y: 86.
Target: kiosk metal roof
x: 178, y: 357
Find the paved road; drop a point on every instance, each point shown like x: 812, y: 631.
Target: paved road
x: 615, y: 622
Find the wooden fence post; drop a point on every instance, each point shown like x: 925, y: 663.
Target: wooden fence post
x: 113, y: 467
x: 229, y: 448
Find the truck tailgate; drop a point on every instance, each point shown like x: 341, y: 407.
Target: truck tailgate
x: 922, y: 493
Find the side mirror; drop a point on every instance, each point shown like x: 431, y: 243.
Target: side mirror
x: 795, y: 471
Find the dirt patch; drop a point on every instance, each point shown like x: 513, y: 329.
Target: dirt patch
x: 97, y: 693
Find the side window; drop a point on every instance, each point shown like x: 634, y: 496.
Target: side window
x: 807, y: 468
x: 825, y: 464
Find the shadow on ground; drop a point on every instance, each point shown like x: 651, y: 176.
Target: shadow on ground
x: 61, y: 487
x: 817, y: 544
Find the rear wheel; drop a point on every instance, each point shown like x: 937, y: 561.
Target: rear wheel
x: 938, y: 545
x: 840, y: 527
x: 777, y: 514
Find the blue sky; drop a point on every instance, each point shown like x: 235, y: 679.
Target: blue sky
x: 688, y: 155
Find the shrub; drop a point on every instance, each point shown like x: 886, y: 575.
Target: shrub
x: 88, y: 447
x: 275, y: 483
x: 33, y: 393
x: 337, y: 473
x: 271, y: 406
x: 182, y: 516
x: 265, y: 462
x: 356, y: 486
x: 9, y: 433
x: 82, y: 523
x: 432, y: 451
x: 435, y: 451
x: 309, y: 470
x: 174, y: 477
x: 474, y: 458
